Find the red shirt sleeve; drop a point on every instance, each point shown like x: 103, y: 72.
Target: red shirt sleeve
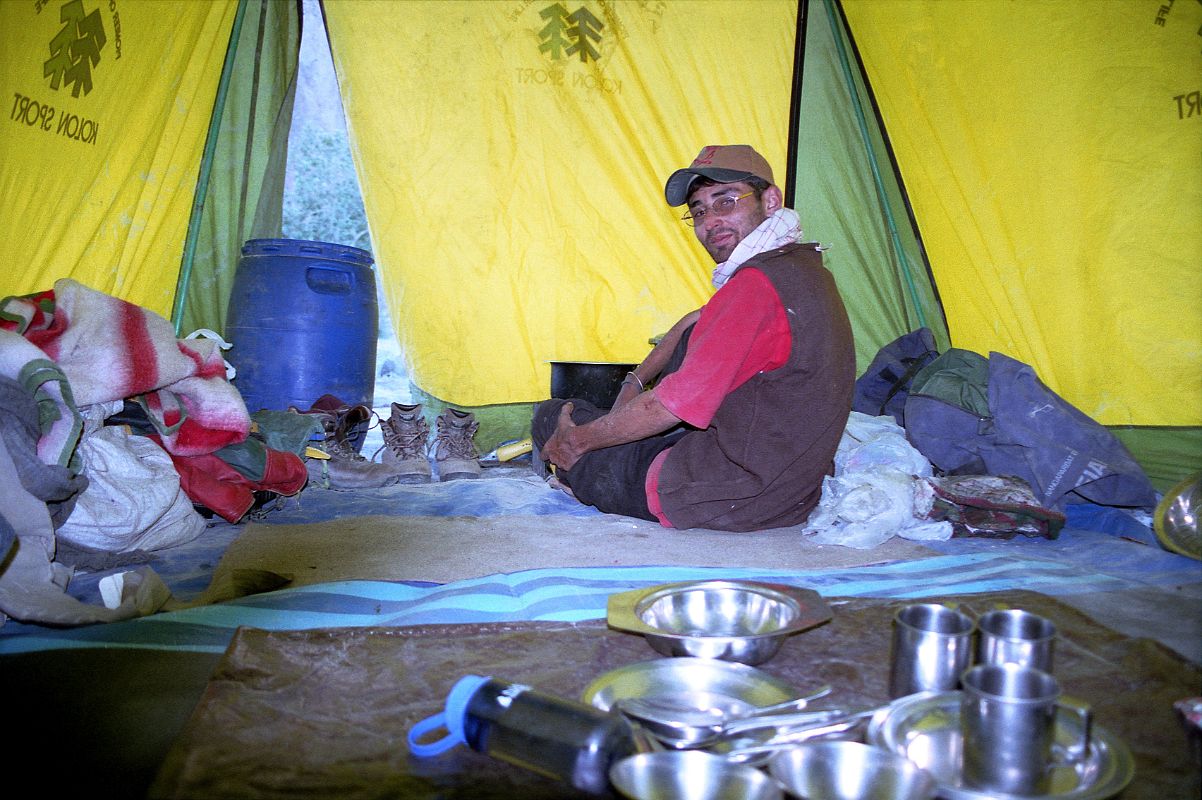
x: 742, y: 331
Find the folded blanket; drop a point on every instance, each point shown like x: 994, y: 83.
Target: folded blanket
x: 996, y: 506
x: 111, y: 350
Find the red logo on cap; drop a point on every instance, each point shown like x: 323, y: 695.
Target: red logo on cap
x: 707, y: 155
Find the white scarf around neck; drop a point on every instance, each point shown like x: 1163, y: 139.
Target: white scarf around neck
x: 781, y: 228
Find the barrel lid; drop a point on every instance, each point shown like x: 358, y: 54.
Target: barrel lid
x: 306, y: 248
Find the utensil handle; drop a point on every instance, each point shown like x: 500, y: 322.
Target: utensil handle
x: 1079, y: 750
x: 427, y: 725
x: 783, y: 720
x: 788, y: 740
x: 796, y: 703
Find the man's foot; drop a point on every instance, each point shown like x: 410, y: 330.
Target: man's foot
x: 556, y: 483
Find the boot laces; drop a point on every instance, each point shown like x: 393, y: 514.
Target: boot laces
x: 405, y: 438
x: 455, y: 441
x: 336, y: 444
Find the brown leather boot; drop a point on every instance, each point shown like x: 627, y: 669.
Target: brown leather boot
x: 455, y: 453
x: 406, y: 435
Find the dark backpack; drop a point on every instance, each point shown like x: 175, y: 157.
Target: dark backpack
x: 972, y: 416
x: 883, y: 387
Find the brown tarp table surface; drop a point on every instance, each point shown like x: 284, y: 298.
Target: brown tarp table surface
x: 325, y: 713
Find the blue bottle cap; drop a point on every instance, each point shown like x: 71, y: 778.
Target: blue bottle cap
x: 452, y: 719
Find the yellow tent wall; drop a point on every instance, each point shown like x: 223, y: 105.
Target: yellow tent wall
x: 523, y: 189
x: 101, y: 146
x: 1053, y: 156
x: 512, y: 157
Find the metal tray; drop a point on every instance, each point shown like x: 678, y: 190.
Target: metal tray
x: 701, y: 682
x: 926, y: 729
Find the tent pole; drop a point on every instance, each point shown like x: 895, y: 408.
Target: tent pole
x: 799, y: 50
x: 206, y: 169
x: 836, y: 34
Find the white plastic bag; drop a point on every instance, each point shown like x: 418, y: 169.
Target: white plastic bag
x: 878, y: 490
x: 133, y: 500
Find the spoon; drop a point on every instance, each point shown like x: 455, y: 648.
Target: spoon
x: 834, y: 727
x: 689, y: 720
x: 702, y: 708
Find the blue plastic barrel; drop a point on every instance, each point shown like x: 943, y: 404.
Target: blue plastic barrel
x: 303, y: 321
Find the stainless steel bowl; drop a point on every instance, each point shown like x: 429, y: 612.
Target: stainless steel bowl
x: 689, y: 775
x: 1176, y: 519
x: 850, y: 771
x: 744, y: 621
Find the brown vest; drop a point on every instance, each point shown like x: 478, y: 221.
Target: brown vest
x: 761, y: 462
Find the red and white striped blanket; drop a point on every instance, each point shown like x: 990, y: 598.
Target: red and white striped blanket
x: 110, y: 349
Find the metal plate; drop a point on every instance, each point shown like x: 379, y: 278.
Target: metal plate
x: 678, y: 678
x: 926, y: 729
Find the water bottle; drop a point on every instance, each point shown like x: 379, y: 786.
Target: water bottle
x: 555, y: 737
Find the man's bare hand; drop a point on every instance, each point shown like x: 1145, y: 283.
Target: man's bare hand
x: 643, y: 416
x: 562, y: 449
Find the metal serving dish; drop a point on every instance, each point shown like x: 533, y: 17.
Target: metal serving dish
x: 699, y: 683
x: 925, y: 728
x: 745, y: 621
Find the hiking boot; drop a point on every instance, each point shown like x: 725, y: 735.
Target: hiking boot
x: 405, y: 437
x: 345, y: 469
x: 351, y: 423
x: 454, y: 451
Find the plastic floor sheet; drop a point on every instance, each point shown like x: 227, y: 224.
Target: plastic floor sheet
x: 1112, y: 556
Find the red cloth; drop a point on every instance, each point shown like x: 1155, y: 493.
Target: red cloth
x: 742, y: 331
x: 214, y: 484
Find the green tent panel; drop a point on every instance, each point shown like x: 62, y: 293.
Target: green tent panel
x: 240, y: 194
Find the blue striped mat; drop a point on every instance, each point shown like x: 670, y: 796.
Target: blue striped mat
x: 569, y: 595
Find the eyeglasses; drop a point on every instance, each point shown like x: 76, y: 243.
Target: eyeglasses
x: 720, y: 207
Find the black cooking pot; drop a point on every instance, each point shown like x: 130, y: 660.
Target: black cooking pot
x: 596, y: 381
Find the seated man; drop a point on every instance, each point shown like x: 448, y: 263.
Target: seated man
x: 754, y: 389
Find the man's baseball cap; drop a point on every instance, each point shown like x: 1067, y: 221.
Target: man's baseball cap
x: 724, y: 163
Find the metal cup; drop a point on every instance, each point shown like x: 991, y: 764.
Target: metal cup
x: 932, y: 646
x: 1018, y: 637
x: 1008, y: 720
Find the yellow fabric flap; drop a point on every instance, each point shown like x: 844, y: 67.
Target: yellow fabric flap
x: 513, y: 155
x: 1053, y: 156
x: 109, y: 105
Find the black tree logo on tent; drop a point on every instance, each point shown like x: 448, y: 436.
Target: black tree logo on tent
x: 566, y: 35
x: 76, y: 48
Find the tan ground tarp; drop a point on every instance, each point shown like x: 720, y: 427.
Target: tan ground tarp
x: 325, y: 713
